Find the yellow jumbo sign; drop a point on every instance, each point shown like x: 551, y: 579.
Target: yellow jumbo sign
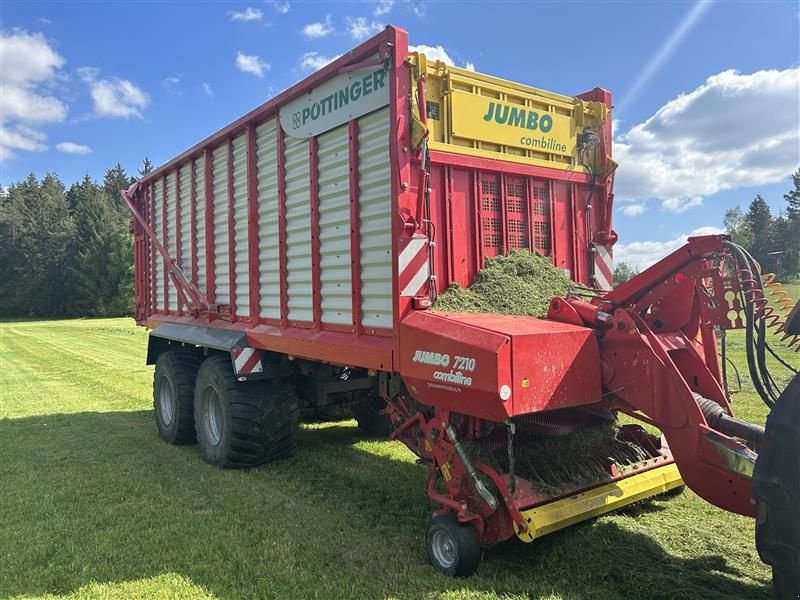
x: 489, y: 120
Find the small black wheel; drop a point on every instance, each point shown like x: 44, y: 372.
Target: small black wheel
x: 242, y: 424
x: 173, y: 395
x: 776, y: 487
x: 453, y: 547
x: 370, y: 419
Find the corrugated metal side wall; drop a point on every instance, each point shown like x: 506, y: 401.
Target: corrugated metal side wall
x: 221, y: 258
x: 334, y: 227
x: 242, y: 283
x: 171, y: 242
x: 228, y: 197
x: 184, y: 185
x: 200, y: 220
x: 375, y: 209
x: 158, y: 198
x: 298, y: 230
x: 268, y: 238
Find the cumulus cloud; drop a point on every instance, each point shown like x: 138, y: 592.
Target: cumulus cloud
x: 29, y: 66
x: 314, y: 61
x: 248, y: 63
x: 281, y: 7
x: 73, y: 148
x: 313, y: 31
x: 641, y: 255
x: 633, y: 210
x: 384, y: 7
x: 735, y: 130
x: 248, y: 14
x: 439, y: 53
x: 360, y: 28
x: 207, y: 89
x: 114, y: 97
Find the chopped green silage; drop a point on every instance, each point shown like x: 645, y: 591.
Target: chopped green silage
x: 521, y: 283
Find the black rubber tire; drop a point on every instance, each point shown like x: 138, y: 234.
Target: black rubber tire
x: 369, y: 417
x: 776, y: 487
x: 178, y: 370
x: 259, y: 420
x: 466, y: 547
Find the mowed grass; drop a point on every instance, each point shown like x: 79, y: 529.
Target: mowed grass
x: 94, y: 505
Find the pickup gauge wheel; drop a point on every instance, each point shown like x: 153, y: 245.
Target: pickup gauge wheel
x: 453, y: 547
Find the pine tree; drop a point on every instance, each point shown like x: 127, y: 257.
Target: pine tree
x: 116, y: 180
x: 790, y: 234
x: 147, y: 167
x: 33, y: 241
x: 90, y: 282
x: 759, y: 222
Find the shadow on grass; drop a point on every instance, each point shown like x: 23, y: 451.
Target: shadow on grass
x: 97, y: 497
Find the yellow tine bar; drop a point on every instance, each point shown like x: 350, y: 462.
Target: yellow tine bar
x: 551, y: 517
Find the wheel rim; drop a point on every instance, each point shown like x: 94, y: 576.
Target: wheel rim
x: 212, y: 415
x: 166, y: 401
x: 444, y: 548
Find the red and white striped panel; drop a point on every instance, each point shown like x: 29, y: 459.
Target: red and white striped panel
x: 247, y: 361
x: 603, y: 268
x: 412, y: 266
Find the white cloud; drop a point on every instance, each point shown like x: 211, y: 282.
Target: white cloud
x: 360, y: 28
x: 247, y: 63
x: 207, y: 89
x: 641, y: 255
x: 439, y: 53
x: 114, y: 97
x: 384, y: 7
x: 735, y: 130
x: 281, y: 7
x: 419, y: 8
x: 44, y: 21
x: 634, y: 210
x: 313, y: 61
x: 29, y: 66
x: 317, y: 30
x: 172, y: 84
x: 20, y: 137
x: 73, y: 148
x: 248, y: 14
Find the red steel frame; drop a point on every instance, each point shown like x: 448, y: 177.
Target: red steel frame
x: 376, y: 348
x: 178, y: 229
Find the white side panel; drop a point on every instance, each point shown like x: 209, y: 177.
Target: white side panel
x: 171, y: 242
x: 298, y: 230
x: 221, y: 258
x: 186, y: 219
x: 240, y: 226
x: 375, y: 204
x: 334, y: 226
x: 200, y: 221
x: 268, y: 246
x: 156, y: 190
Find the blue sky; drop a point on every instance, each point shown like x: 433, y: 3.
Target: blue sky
x: 707, y: 93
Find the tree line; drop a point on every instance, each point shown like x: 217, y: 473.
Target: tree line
x: 67, y: 252
x: 773, y: 240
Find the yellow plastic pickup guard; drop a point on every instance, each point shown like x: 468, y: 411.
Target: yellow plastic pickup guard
x: 551, y: 517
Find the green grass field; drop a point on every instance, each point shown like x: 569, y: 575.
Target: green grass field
x: 94, y: 505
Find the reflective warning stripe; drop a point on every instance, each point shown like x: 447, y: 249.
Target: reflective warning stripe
x: 413, y: 267
x: 603, y: 268
x: 247, y: 361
